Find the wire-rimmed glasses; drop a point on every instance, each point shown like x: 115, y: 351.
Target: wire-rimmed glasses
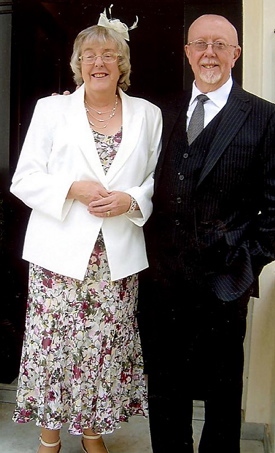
x: 201, y: 45
x: 106, y: 57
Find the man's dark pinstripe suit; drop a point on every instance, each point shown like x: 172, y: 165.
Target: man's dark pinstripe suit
x: 211, y: 232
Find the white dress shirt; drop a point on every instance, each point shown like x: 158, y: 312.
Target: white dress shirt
x: 217, y: 100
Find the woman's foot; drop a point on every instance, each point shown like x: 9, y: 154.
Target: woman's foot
x: 49, y: 447
x: 93, y: 443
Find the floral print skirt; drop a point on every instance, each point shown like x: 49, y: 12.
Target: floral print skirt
x: 81, y: 359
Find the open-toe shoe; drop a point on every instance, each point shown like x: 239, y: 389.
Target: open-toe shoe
x: 96, y: 436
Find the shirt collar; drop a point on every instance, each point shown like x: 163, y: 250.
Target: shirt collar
x: 219, y: 96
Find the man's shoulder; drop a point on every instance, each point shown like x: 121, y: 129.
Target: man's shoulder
x: 254, y: 99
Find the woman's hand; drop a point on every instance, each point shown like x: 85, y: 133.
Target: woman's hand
x: 87, y: 192
x: 100, y: 202
x: 113, y: 204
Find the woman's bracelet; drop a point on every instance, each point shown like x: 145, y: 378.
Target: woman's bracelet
x: 132, y: 207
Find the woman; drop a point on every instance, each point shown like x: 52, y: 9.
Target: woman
x: 86, y: 171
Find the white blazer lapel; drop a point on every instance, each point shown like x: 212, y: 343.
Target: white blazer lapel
x: 82, y: 134
x: 131, y: 121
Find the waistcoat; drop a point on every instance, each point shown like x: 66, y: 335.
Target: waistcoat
x: 175, y: 198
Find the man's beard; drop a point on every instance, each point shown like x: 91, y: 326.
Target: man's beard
x: 210, y: 77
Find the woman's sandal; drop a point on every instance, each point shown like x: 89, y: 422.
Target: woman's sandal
x: 96, y: 436
x: 46, y: 444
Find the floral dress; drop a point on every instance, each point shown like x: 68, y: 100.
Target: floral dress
x: 81, y: 360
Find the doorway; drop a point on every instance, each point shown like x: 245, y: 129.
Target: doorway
x: 42, y: 38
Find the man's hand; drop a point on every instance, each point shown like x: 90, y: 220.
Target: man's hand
x: 64, y: 92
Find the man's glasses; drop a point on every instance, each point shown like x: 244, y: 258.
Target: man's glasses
x: 107, y: 57
x: 201, y: 45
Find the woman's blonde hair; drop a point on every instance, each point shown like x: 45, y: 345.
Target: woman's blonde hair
x: 99, y: 34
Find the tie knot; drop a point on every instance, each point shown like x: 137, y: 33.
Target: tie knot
x: 202, y: 98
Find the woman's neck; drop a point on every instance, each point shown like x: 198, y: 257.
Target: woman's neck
x: 100, y: 101
x: 104, y: 112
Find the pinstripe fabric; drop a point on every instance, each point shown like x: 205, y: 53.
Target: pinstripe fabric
x: 208, y: 196
x: 211, y: 232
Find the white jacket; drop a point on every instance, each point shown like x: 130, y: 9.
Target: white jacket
x: 58, y: 149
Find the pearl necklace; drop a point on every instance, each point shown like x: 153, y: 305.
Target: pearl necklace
x: 100, y: 120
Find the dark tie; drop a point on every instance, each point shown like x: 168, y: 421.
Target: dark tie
x: 197, y: 119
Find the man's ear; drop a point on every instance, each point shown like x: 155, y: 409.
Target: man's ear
x: 237, y: 53
x: 187, y: 50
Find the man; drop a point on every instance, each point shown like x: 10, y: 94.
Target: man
x: 211, y: 233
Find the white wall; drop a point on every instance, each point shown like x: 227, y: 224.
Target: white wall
x: 259, y: 78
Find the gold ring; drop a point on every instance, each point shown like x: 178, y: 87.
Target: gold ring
x: 108, y: 213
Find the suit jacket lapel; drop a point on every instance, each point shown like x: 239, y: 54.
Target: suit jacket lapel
x: 233, y: 116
